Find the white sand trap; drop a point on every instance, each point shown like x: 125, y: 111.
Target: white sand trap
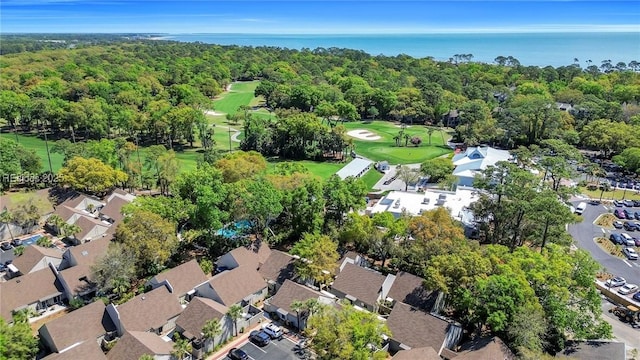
x: 214, y: 113
x: 363, y: 135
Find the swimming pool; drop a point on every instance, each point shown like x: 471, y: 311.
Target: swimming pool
x: 32, y: 240
x: 233, y: 230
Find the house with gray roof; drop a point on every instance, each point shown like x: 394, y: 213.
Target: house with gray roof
x: 362, y: 287
x: 252, y: 256
x: 242, y: 285
x: 194, y: 317
x: 77, y: 282
x: 35, y: 258
x: 278, y: 268
x: 37, y: 290
x: 88, y: 324
x: 85, y: 254
x: 280, y: 303
x: 181, y: 280
x: 412, y: 328
x: 409, y: 289
x: 424, y: 353
x: 85, y: 350
x: 475, y: 159
x: 133, y: 344
x: 486, y: 348
x: 154, y: 311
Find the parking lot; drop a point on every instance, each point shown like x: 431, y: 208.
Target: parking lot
x: 276, y: 350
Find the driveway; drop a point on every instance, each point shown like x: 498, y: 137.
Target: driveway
x: 583, y: 234
x: 276, y: 350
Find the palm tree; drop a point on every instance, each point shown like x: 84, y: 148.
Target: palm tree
x: 211, y: 329
x: 312, y: 306
x: 406, y: 139
x: 297, y: 306
x: 181, y: 347
x: 235, y: 313
x: 56, y: 221
x: 605, y: 186
x: 7, y: 218
x: 430, y: 131
x: 69, y: 230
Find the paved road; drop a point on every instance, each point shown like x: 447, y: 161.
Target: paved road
x: 622, y: 331
x: 583, y: 234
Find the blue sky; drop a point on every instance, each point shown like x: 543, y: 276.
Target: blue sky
x: 316, y: 17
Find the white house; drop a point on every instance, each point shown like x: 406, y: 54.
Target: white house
x: 474, y: 160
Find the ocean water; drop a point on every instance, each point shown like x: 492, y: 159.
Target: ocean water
x: 538, y: 49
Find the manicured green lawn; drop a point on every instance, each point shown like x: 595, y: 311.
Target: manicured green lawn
x: 617, y: 194
x: 241, y: 94
x: 386, y: 149
x: 37, y: 144
x: 323, y: 170
x: 372, y: 177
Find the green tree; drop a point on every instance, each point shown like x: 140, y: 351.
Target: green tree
x: 297, y: 306
x: 260, y: 202
x: 342, y: 196
x: 91, y: 175
x: 211, y: 329
x: 346, y: 334
x: 235, y: 313
x: 207, y: 266
x: 7, y: 218
x: 407, y: 175
x: 151, y: 238
x: 437, y: 169
x: 116, y: 268
x: 241, y: 165
x: 181, y: 347
x: 17, y: 341
x: 629, y: 159
x: 318, y: 255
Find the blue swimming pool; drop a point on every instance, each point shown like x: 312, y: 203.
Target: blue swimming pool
x: 233, y: 230
x: 32, y: 240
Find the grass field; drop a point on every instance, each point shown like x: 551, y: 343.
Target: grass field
x: 241, y: 94
x: 35, y: 143
x: 371, y: 178
x: 386, y: 149
x: 611, y: 195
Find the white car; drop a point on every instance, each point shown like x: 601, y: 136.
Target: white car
x: 615, y: 282
x: 272, y: 330
x: 630, y: 253
x: 628, y: 289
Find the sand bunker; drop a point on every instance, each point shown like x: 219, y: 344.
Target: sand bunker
x: 213, y: 112
x: 363, y: 135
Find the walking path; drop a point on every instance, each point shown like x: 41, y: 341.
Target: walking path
x: 234, y: 136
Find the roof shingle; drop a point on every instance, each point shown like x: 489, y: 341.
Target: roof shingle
x: 290, y: 292
x: 357, y: 281
x: 34, y: 255
x: 424, y: 353
x: 183, y: 278
x: 234, y: 285
x: 134, y: 344
x: 87, y: 323
x: 492, y: 348
x: 86, y: 350
x: 199, y: 311
x: 89, y: 252
x: 278, y: 267
x: 27, y: 289
x: 416, y: 328
x: 409, y: 289
x: 150, y: 310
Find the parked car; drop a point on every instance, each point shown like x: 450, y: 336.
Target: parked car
x: 636, y: 203
x: 628, y: 214
x: 627, y: 240
x: 259, y: 338
x: 629, y: 203
x: 630, y: 253
x: 628, y: 289
x: 618, y: 203
x: 636, y: 296
x: 636, y: 240
x: 237, y: 354
x: 16, y: 242
x: 272, y: 330
x: 636, y: 215
x: 5, y: 246
x: 619, y: 214
x: 615, y: 282
x: 618, y: 224
x: 3, y: 267
x: 629, y: 226
x: 616, y: 238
